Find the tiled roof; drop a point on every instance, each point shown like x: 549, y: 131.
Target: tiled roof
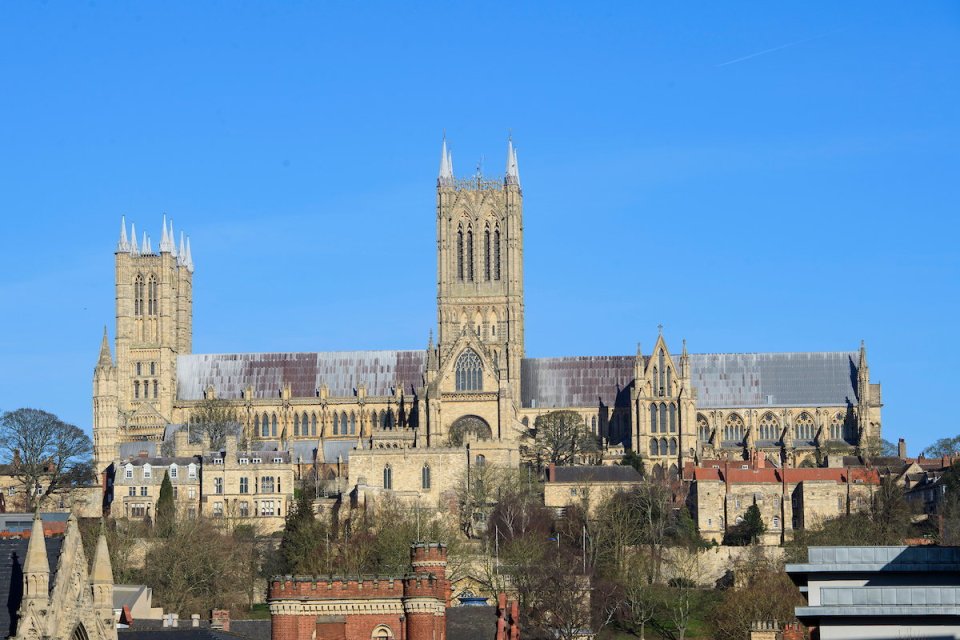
x: 342, y: 371
x: 13, y: 551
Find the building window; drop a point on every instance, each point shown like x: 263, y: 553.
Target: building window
x: 804, y: 427
x: 486, y: 254
x: 244, y: 509
x: 152, y: 306
x: 313, y: 424
x: 296, y: 425
x: 174, y: 471
x: 136, y: 389
x: 353, y: 423
x: 139, y: 369
x: 496, y: 253
x: 733, y: 428
x: 244, y: 461
x: 769, y: 427
x: 387, y: 477
x: 673, y: 418
x: 147, y: 471
x: 192, y: 471
x: 481, y: 460
x: 257, y: 460
x: 460, y: 254
x: 654, y: 447
x: 218, y: 485
x: 382, y: 632
x: 836, y: 427
x: 218, y: 461
x: 425, y: 478
x: 143, y: 491
x: 176, y: 493
x: 703, y: 428
x: 470, y: 274
x: 192, y: 513
x: 653, y: 418
x: 273, y: 426
x: 336, y: 424
x: 469, y: 371
x: 217, y: 509
x: 776, y: 522
x: 191, y: 492
x: 132, y: 491
x: 128, y: 472
x: 138, y: 297
x: 244, y: 485
x: 138, y: 510
x: 673, y: 446
x: 153, y: 368
x: 266, y: 485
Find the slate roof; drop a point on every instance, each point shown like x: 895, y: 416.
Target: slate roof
x: 471, y: 623
x: 579, y: 381
x: 612, y: 473
x: 154, y: 630
x: 341, y: 371
x: 13, y: 551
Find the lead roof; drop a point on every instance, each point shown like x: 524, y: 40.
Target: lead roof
x: 720, y: 379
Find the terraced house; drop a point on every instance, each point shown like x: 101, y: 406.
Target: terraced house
x: 474, y: 384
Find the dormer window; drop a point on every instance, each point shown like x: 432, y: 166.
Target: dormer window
x: 257, y: 460
x: 147, y: 471
x: 218, y: 461
x: 278, y: 460
x: 174, y: 471
x: 244, y: 460
x: 192, y: 471
x: 128, y: 472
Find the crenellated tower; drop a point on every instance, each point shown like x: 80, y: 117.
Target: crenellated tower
x: 154, y: 311
x: 480, y: 268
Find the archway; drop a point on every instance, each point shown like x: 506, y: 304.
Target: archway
x: 469, y: 426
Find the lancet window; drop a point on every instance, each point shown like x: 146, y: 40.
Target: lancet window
x: 138, y: 301
x: 804, y: 427
x: 469, y: 372
x: 703, y: 428
x: 460, y: 254
x: 470, y: 275
x: 496, y: 253
x: 486, y: 254
x: 836, y: 427
x: 152, y: 305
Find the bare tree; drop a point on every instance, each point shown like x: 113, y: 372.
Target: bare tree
x: 558, y: 437
x: 642, y: 600
x: 47, y: 456
x: 215, y: 418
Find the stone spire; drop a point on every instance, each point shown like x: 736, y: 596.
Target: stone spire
x: 145, y: 245
x: 684, y: 361
x: 102, y: 572
x: 105, y: 360
x: 513, y: 170
x: 188, y: 260
x: 124, y: 245
x: 36, y: 567
x: 173, y: 240
x: 134, y: 249
x: 182, y: 253
x: 446, y: 165
x: 166, y: 242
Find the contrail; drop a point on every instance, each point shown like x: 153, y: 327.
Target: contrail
x: 783, y: 46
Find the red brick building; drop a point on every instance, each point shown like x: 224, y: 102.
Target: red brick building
x: 409, y: 608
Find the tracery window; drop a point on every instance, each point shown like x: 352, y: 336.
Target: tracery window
x: 733, y: 428
x: 673, y: 446
x: 152, y: 306
x: 313, y: 424
x: 296, y: 425
x: 804, y: 426
x: 273, y: 426
x: 343, y: 423
x: 663, y: 418
x: 836, y: 427
x: 703, y: 428
x: 769, y: 427
x: 496, y: 253
x: 460, y: 254
x: 653, y: 418
x: 469, y: 372
x: 654, y: 447
x: 353, y: 423
x: 673, y: 417
x: 336, y: 424
x: 138, y: 295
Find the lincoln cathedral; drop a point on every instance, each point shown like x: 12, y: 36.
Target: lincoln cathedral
x: 471, y: 393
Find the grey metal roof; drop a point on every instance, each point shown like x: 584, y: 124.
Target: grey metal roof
x: 305, y: 450
x: 898, y: 559
x: 128, y: 449
x: 342, y: 371
x: 778, y: 379
x: 721, y: 380
x: 579, y: 381
x: 334, y: 448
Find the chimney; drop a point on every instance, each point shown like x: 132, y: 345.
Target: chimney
x: 552, y: 472
x: 901, y: 448
x: 792, y: 631
x: 761, y: 459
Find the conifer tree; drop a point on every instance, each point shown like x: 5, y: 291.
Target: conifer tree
x: 166, y: 512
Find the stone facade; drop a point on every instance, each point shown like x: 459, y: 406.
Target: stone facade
x: 586, y: 487
x: 789, y: 499
x: 475, y: 382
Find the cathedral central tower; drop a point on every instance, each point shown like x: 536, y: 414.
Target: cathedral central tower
x: 480, y: 270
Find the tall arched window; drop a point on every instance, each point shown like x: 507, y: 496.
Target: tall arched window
x: 733, y: 428
x: 836, y: 427
x: 387, y: 477
x: 152, y: 307
x: 296, y: 425
x: 663, y: 446
x: 496, y: 253
x: 336, y: 424
x: 769, y: 427
x: 256, y: 424
x: 673, y: 446
x: 593, y: 424
x: 656, y: 376
x: 661, y: 360
x: 138, y: 295
x: 654, y: 448
x: 673, y: 417
x: 425, y: 478
x: 663, y: 417
x: 486, y: 254
x: 460, y: 254
x: 470, y: 275
x: 804, y: 427
x: 313, y: 424
x: 469, y: 372
x: 156, y: 387
x: 353, y: 423
x: 265, y: 431
x: 343, y: 423
x: 136, y: 389
x: 273, y: 426
x: 703, y: 428
x: 653, y: 418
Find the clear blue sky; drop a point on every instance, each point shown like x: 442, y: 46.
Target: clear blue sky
x: 755, y: 176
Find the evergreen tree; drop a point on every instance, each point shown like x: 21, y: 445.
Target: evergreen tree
x: 748, y: 531
x: 166, y: 512
x: 303, y: 547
